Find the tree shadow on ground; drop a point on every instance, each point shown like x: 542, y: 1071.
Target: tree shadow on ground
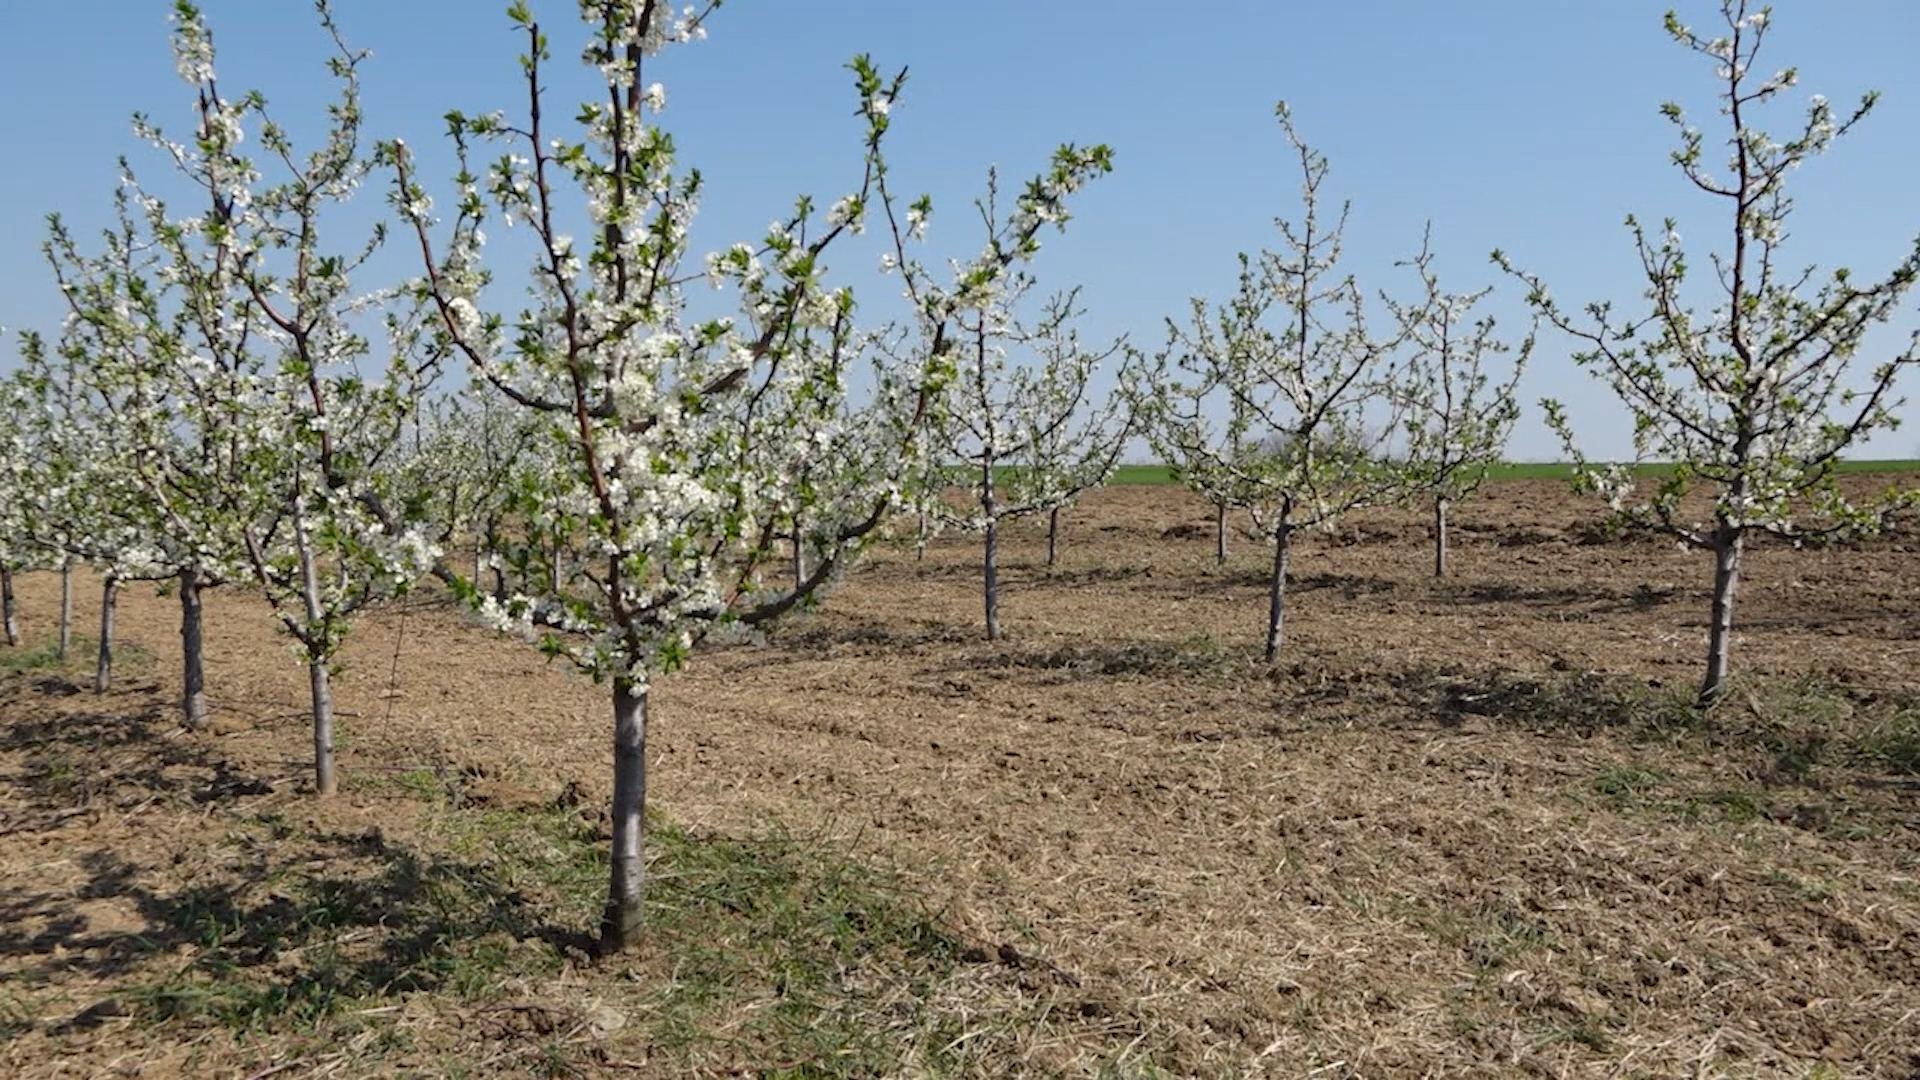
x: 353, y: 916
x: 838, y: 636
x: 1583, y: 702
x: 113, y: 753
x: 1595, y: 599
x: 271, y: 920
x: 1195, y: 657
x: 1236, y: 579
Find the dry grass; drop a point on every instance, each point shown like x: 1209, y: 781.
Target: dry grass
x: 1465, y: 828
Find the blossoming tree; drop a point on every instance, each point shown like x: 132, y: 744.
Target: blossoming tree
x: 1458, y: 415
x: 171, y: 479
x: 473, y: 466
x: 72, y: 486
x: 1021, y: 417
x: 230, y: 349
x: 1302, y: 386
x: 677, y: 480
x: 1755, y: 399
x: 17, y: 482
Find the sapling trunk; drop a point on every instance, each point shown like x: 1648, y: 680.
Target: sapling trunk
x: 620, y: 926
x: 1220, y: 533
x: 492, y: 547
x: 799, y: 558
x: 1277, y: 590
x: 193, y: 694
x: 556, y: 580
x: 1439, y: 536
x: 990, y: 560
x: 103, y: 660
x: 326, y: 779
x: 1728, y: 546
x: 7, y: 611
x: 990, y: 555
x: 66, y: 608
x: 1053, y: 533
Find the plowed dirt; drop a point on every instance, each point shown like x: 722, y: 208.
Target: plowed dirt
x: 1464, y: 827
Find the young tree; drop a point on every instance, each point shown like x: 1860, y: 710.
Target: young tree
x: 1303, y: 398
x: 1458, y: 418
x: 16, y: 518
x: 677, y: 480
x: 1024, y: 427
x: 474, y: 461
x: 1070, y: 444
x: 72, y: 497
x: 227, y: 346
x: 322, y: 543
x: 1754, y: 400
x: 160, y: 491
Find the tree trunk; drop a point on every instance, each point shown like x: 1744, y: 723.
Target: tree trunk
x: 799, y: 559
x: 8, y: 613
x: 1439, y: 536
x: 991, y: 565
x: 193, y: 696
x: 990, y: 557
x: 1220, y: 533
x: 620, y: 926
x: 1277, y: 590
x: 1053, y: 534
x: 326, y: 779
x: 66, y: 608
x: 103, y: 661
x: 494, y: 560
x: 554, y: 573
x: 1728, y: 545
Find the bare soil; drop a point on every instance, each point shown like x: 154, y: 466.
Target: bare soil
x: 1465, y: 827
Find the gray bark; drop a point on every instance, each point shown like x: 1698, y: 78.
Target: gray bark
x: 990, y: 560
x: 620, y: 926
x: 8, y: 612
x: 492, y: 547
x: 66, y: 608
x: 193, y: 694
x: 557, y: 579
x: 799, y: 559
x: 103, y: 661
x: 1729, y: 544
x: 1220, y: 533
x: 326, y: 779
x: 1277, y: 590
x: 1440, y: 536
x: 990, y: 556
x: 1053, y: 534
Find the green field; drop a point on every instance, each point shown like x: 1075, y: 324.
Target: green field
x: 1533, y: 470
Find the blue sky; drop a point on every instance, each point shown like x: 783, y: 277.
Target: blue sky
x: 1529, y: 125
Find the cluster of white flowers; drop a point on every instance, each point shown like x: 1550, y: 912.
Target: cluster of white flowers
x: 848, y: 210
